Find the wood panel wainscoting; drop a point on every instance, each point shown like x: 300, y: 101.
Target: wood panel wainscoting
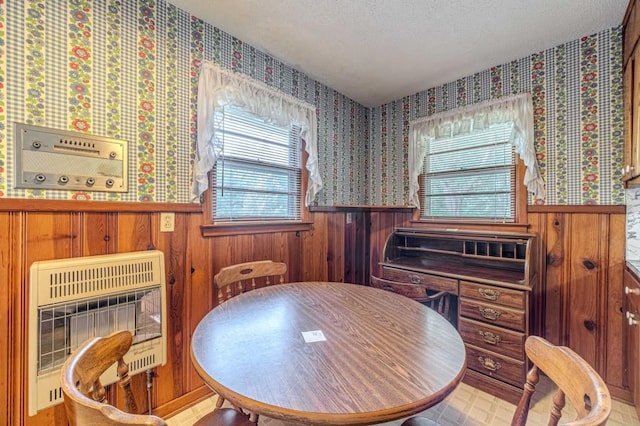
x: 33, y: 230
x: 581, y: 248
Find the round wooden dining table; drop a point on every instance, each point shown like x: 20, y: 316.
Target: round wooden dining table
x: 324, y: 353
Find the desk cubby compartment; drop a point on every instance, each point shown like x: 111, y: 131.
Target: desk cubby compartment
x: 498, y: 249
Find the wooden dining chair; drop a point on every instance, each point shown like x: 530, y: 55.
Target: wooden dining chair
x: 439, y: 301
x: 235, y: 279
x: 85, y: 396
x: 242, y: 277
x: 575, y: 379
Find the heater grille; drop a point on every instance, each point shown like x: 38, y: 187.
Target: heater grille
x: 74, y: 299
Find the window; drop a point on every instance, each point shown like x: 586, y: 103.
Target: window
x: 249, y: 152
x: 470, y: 176
x: 463, y: 162
x: 258, y: 173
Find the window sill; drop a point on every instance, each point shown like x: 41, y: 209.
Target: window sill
x: 219, y: 230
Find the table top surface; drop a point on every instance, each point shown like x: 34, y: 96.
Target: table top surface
x: 328, y: 353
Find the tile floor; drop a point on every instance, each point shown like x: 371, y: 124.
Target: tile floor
x: 465, y: 406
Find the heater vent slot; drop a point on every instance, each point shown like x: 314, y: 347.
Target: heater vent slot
x: 55, y: 395
x: 142, y: 363
x: 74, y: 299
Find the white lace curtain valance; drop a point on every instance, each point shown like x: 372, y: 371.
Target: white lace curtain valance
x: 517, y: 109
x: 218, y: 87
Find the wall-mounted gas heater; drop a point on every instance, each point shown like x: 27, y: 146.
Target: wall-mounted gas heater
x: 77, y: 298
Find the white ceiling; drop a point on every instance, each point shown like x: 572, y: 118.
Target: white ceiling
x: 377, y: 51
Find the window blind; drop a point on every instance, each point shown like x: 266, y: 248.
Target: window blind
x: 257, y: 176
x: 470, y: 176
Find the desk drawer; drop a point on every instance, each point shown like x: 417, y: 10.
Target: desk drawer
x: 488, y: 337
x: 493, y: 314
x: 432, y: 282
x: 413, y: 291
x: 493, y: 294
x: 491, y: 364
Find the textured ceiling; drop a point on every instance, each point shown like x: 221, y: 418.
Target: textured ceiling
x: 377, y: 51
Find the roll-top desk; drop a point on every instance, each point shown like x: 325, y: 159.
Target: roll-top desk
x: 491, y: 274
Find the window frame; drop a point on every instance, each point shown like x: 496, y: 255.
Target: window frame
x: 244, y: 227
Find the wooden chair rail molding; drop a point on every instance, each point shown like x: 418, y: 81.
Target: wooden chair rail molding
x: 345, y: 208
x: 534, y: 208
x: 42, y: 205
x: 577, y: 209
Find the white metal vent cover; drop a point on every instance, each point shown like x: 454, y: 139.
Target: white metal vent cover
x: 71, y: 300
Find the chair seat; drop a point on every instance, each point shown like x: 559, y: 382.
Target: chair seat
x: 224, y: 417
x: 419, y: 421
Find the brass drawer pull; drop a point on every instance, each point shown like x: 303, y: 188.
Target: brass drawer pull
x: 415, y: 279
x: 489, y: 337
x: 488, y: 313
x: 489, y: 294
x: 489, y: 363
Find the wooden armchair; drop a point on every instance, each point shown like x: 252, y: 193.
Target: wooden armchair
x: 575, y: 379
x: 235, y: 279
x: 242, y: 277
x: 85, y: 397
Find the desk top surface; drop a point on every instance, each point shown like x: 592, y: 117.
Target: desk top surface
x: 328, y: 353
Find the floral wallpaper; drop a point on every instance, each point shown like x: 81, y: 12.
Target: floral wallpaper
x: 578, y: 122
x: 129, y: 70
